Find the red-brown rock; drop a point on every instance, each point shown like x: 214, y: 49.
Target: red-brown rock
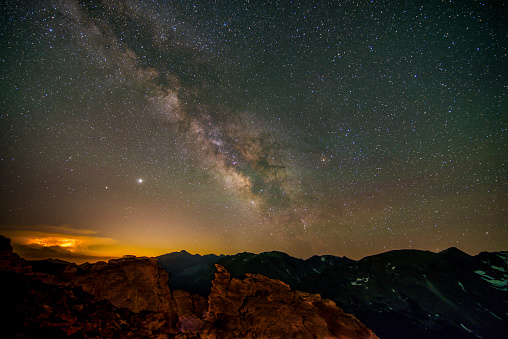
x: 137, y: 283
x: 259, y: 307
x: 10, y: 261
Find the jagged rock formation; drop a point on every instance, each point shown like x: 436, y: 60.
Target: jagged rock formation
x: 130, y: 298
x: 259, y: 307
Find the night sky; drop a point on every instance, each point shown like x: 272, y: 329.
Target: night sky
x: 310, y: 127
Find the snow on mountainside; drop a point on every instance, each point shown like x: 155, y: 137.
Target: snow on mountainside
x: 499, y: 278
x: 404, y: 293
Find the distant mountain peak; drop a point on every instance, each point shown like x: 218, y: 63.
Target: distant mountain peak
x: 452, y: 249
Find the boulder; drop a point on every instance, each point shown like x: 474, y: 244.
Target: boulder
x: 137, y: 283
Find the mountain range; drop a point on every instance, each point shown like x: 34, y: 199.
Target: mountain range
x: 397, y: 294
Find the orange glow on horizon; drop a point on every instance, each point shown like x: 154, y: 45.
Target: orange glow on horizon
x: 67, y: 243
x: 82, y: 245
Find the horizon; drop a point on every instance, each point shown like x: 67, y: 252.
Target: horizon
x: 76, y: 258
x: 316, y: 127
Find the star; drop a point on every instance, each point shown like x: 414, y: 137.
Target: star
x: 345, y: 130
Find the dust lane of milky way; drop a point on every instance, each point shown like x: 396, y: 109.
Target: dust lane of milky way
x: 317, y: 127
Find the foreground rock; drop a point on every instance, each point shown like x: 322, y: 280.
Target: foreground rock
x: 130, y: 298
x: 33, y: 308
x: 137, y: 283
x: 258, y: 307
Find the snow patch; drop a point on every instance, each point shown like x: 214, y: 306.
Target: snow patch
x: 498, y: 284
x: 464, y: 327
x: 494, y: 315
x: 323, y: 259
x: 467, y: 329
x: 503, y: 256
x: 461, y: 286
x: 359, y: 281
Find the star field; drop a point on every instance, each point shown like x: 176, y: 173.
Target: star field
x: 317, y: 127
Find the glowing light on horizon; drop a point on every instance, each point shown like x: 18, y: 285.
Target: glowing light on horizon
x: 67, y: 243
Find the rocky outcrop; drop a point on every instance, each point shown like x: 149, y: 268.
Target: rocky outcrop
x: 137, y: 283
x: 259, y: 307
x: 130, y: 297
x: 187, y: 311
x: 10, y: 261
x: 30, y: 307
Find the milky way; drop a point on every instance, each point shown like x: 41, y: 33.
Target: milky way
x: 338, y: 127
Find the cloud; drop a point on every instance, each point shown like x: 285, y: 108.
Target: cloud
x: 60, y: 241
x: 38, y: 252
x: 61, y: 229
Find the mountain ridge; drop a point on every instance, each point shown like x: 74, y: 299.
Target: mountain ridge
x: 423, y: 292
x: 398, y: 293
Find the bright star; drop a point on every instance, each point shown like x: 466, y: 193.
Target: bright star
x: 140, y: 180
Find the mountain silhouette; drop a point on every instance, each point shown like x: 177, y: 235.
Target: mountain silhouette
x: 398, y: 294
